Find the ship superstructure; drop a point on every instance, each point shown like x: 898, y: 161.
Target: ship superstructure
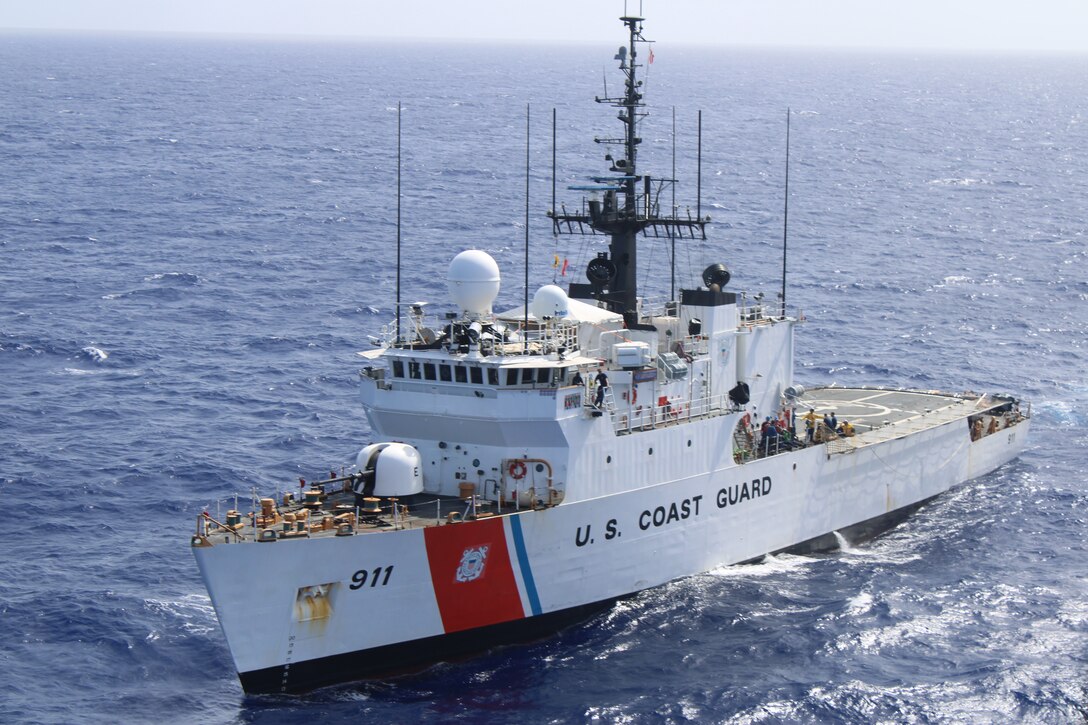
x: 532, y: 466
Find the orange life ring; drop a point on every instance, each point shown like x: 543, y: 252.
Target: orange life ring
x: 634, y: 395
x: 518, y: 470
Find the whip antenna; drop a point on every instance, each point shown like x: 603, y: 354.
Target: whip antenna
x: 672, y: 238
x: 786, y: 213
x: 397, y: 328
x: 525, y: 336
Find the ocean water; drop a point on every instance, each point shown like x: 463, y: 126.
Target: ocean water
x: 196, y: 236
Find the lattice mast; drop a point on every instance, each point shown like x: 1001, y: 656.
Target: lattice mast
x: 625, y: 204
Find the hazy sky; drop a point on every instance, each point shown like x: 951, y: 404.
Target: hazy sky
x: 1058, y: 25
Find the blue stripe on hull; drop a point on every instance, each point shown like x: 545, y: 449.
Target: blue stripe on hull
x: 523, y: 564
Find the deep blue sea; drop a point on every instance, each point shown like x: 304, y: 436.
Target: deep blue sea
x: 197, y: 235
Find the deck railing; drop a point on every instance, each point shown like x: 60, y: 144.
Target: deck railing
x: 665, y: 412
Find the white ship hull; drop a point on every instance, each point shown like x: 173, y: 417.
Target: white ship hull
x: 531, y: 571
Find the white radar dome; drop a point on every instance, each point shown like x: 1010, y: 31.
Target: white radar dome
x: 474, y: 281
x: 550, y: 301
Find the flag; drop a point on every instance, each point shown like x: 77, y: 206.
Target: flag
x: 651, y: 55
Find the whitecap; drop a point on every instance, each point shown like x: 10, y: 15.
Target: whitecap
x: 771, y: 565
x: 96, y: 353
x: 194, y: 612
x: 859, y: 604
x: 957, y: 182
x: 174, y: 277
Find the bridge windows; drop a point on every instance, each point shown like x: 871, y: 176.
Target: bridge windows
x: 468, y: 374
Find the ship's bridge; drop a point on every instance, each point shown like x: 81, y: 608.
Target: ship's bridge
x: 439, y: 372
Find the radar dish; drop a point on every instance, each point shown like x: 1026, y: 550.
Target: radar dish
x: 473, y: 281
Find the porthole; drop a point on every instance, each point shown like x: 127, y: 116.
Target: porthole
x: 651, y: 451
x: 608, y: 460
x: 689, y: 444
x: 475, y: 462
x: 540, y: 468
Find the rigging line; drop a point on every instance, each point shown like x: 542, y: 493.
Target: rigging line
x: 690, y: 267
x: 649, y: 257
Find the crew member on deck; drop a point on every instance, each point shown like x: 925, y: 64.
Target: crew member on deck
x: 810, y: 424
x: 602, y: 385
x: 770, y: 437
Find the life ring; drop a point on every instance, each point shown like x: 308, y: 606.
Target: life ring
x: 518, y: 470
x: 634, y: 395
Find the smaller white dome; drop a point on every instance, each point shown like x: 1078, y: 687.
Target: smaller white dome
x: 550, y: 301
x: 473, y: 281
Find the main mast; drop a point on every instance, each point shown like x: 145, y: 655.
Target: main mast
x: 625, y: 204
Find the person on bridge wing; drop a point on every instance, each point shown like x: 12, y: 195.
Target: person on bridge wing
x: 602, y: 386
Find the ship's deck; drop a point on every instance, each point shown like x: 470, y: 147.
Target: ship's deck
x: 872, y: 408
x: 329, y: 508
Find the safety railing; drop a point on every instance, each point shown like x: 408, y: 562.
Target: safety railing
x: 667, y: 411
